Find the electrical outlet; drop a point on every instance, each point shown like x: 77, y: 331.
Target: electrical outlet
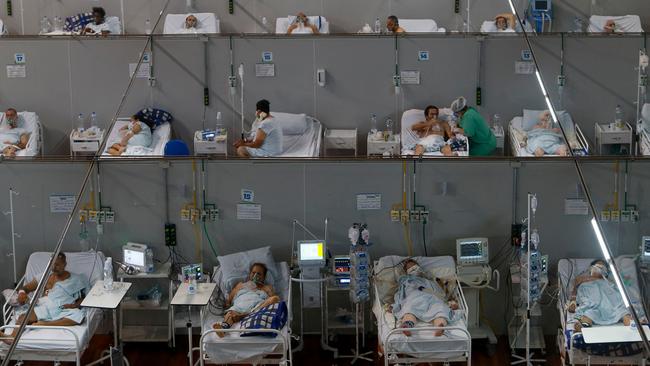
x: 213, y: 214
x: 185, y: 214
x: 101, y: 216
x: 604, y: 216
x: 415, y: 216
x: 204, y: 215
x: 424, y: 216
x: 394, y: 215
x: 405, y: 215
x: 615, y: 215
x: 625, y: 215
x: 92, y: 216
x: 83, y: 215
x: 195, y: 213
x: 634, y: 216
x: 110, y: 217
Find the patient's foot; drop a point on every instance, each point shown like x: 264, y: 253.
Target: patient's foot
x: 562, y: 151
x: 407, y: 325
x: 7, y: 338
x: 446, y: 151
x: 582, y: 322
x: 439, y: 322
x: 222, y: 325
x: 627, y: 319
x: 539, y: 152
x: 419, y: 150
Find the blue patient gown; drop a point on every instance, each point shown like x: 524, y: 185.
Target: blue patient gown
x: 248, y: 297
x: 142, y: 138
x: 600, y: 301
x: 49, y: 307
x: 545, y: 139
x: 421, y: 297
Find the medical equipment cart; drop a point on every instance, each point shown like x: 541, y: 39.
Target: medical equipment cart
x: 611, y: 140
x: 155, y: 329
x: 340, y: 140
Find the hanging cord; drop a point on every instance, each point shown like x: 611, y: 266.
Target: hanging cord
x: 578, y: 167
x: 407, y: 229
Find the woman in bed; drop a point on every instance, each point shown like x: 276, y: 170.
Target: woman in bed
x: 433, y: 133
x: 135, y: 134
x: 421, y: 298
x: 543, y: 139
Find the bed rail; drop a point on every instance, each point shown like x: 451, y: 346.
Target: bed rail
x: 285, y: 343
x: 582, y: 140
x: 393, y: 355
x: 7, y: 309
x: 32, y: 354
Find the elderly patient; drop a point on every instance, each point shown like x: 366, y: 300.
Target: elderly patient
x: 542, y: 139
x: 595, y: 299
x: 60, y: 303
x: 12, y: 136
x: 191, y: 23
x: 421, y: 298
x: 432, y: 132
x: 302, y: 25
x: 248, y: 297
x: 136, y: 134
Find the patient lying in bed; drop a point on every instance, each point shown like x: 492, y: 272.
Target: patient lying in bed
x: 247, y: 297
x: 435, y: 135
x: 12, y: 140
x: 421, y: 298
x: 595, y: 299
x: 136, y: 134
x: 60, y: 303
x: 542, y: 139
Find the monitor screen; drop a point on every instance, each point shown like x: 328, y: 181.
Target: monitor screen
x: 471, y: 249
x: 541, y: 4
x: 133, y: 257
x: 312, y: 251
x: 646, y: 247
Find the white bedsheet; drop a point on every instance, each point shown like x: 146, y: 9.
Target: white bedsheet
x: 233, y: 348
x: 305, y: 145
x: 161, y: 135
x: 207, y: 23
x: 88, y: 264
x: 420, y: 26
x: 33, y: 126
x: 410, y: 138
x: 452, y: 344
x: 624, y: 23
x: 3, y: 30
x: 282, y: 24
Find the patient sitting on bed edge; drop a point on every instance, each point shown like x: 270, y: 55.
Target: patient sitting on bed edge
x: 543, y: 139
x: 420, y: 297
x: 134, y: 134
x: 435, y: 134
x: 247, y: 297
x: 60, y: 303
x: 595, y: 299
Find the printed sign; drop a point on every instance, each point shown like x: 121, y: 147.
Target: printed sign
x: 16, y: 71
x: 247, y: 195
x: 19, y: 58
x: 267, y: 56
x: 249, y: 211
x: 576, y: 206
x: 265, y: 70
x: 369, y: 201
x: 526, y: 55
x: 423, y: 55
x: 61, y: 203
x: 144, y: 71
x: 524, y: 67
x: 410, y: 77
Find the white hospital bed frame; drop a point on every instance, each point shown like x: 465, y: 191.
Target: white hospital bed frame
x: 391, y: 346
x: 284, y: 352
x: 55, y: 356
x: 520, y: 151
x: 644, y: 143
x: 577, y: 356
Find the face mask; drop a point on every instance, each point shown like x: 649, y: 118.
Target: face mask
x: 414, y: 269
x: 257, y: 279
x: 598, y: 269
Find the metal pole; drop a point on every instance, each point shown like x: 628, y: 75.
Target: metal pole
x: 13, y: 231
x: 528, y: 284
x: 84, y: 183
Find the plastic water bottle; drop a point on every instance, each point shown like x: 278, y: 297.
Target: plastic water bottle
x: 147, y: 26
x: 389, y: 128
x: 93, y: 119
x: 46, y: 26
x: 149, y: 254
x: 80, y: 122
x: 578, y: 25
x: 619, y: 117
x: 377, y: 25
x: 496, y: 121
x: 265, y: 25
x: 108, y: 274
x: 58, y: 24
x: 218, y: 128
x: 373, y: 124
x: 191, y: 286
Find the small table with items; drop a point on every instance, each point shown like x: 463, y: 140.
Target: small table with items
x: 200, y: 299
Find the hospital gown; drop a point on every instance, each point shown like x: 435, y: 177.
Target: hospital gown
x: 142, y: 138
x: 10, y: 137
x: 50, y: 307
x: 548, y: 140
x: 272, y: 145
x: 421, y: 297
x: 600, y: 301
x: 248, y: 298
x: 431, y: 143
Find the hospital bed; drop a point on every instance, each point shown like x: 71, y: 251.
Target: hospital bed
x: 420, y: 26
x: 489, y: 26
x: 160, y: 136
x: 410, y: 138
x: 33, y: 126
x: 207, y: 23
x: 56, y: 344
x: 455, y: 345
x: 233, y: 348
x: 302, y: 135
x: 3, y: 29
x: 282, y: 24
x: 644, y: 133
x: 624, y: 23
x: 520, y: 125
x: 74, y: 24
x: 570, y: 343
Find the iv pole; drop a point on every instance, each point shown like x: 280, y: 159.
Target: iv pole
x: 14, y: 235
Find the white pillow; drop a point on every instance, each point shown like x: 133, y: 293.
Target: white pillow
x: 235, y: 267
x: 292, y: 124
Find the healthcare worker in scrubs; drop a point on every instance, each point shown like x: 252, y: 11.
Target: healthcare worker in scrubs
x: 482, y: 141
